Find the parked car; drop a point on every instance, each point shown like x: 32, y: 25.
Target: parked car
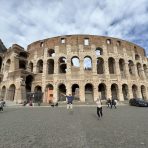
x: 138, y: 102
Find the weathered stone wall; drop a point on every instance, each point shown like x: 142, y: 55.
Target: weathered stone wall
x: 116, y: 79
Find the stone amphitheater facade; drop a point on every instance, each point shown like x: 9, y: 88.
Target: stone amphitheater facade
x: 85, y: 66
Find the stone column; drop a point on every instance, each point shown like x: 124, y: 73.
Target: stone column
x: 130, y: 93
x: 55, y: 92
x: 44, y: 78
x: 68, y: 88
x: 108, y: 91
x: 142, y: 73
x: 118, y: 73
x: 14, y: 62
x: 120, y: 93
x: 94, y: 59
x: 136, y: 71
x: 35, y: 63
x: 127, y: 70
x: 20, y: 92
x: 139, y: 91
x: 68, y: 48
x: 82, y: 92
x: 106, y: 68
x: 95, y: 91
x: 56, y: 60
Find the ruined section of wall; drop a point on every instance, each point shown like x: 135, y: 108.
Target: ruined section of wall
x: 82, y: 65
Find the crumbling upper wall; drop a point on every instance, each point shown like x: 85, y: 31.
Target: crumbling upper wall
x: 75, y: 40
x: 2, y: 47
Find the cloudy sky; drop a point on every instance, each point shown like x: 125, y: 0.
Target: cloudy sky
x: 25, y: 21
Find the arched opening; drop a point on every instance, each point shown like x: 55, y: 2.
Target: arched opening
x: 108, y: 41
x: 23, y: 55
x: 122, y: 67
x: 11, y: 92
x: 28, y: 83
x: 100, y: 66
x: 145, y: 70
x: 88, y: 92
x: 87, y: 63
x: 75, y: 91
x: 40, y: 66
x: 137, y: 57
x: 38, y: 89
x: 75, y: 62
x: 139, y: 70
x: 38, y: 94
x: 31, y: 67
x: 62, y: 90
x: 62, y: 65
x: 99, y: 51
x: 49, y: 93
x: 7, y: 66
x: 22, y: 64
x: 0, y: 62
x: 134, y: 90
x: 143, y: 92
x: 3, y: 92
x: 51, y: 53
x: 41, y: 44
x: 125, y: 91
x: 102, y: 90
x: 111, y: 64
x: 118, y: 43
x: 114, y: 91
x: 131, y: 67
x: 50, y: 65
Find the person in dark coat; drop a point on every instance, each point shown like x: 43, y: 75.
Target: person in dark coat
x: 108, y: 102
x: 113, y: 103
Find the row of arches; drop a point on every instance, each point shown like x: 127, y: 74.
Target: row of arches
x: 51, y: 53
x: 88, y: 89
x: 10, y: 92
x: 98, y: 52
x: 87, y: 63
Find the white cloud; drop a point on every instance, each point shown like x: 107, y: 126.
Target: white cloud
x: 26, y: 21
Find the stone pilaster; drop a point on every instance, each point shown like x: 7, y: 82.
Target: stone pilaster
x: 108, y: 89
x: 96, y: 93
x: 121, y: 98
x: 117, y: 69
x: 82, y: 92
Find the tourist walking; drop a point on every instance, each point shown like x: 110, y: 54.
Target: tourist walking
x: 113, y: 103
x: 108, y: 102
x: 99, y: 108
x: 69, y: 101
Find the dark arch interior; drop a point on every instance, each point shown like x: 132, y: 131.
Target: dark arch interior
x: 28, y: 82
x: 75, y: 91
x: 102, y: 90
x: 114, y: 91
x: 88, y: 92
x: 62, y: 90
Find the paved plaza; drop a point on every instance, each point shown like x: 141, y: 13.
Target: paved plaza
x: 46, y: 127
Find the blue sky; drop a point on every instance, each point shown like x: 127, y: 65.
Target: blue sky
x: 25, y: 21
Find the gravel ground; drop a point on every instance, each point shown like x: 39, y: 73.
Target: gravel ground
x: 43, y: 127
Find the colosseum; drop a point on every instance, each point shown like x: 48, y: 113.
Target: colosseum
x: 82, y: 65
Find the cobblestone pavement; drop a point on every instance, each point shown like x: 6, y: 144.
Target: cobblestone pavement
x: 43, y: 127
